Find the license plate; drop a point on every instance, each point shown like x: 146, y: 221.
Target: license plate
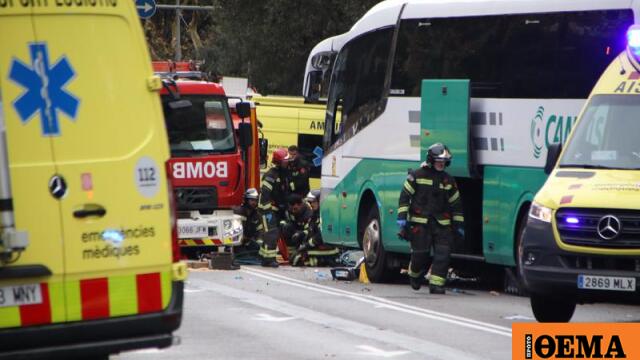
x: 20, y: 295
x: 342, y: 274
x: 614, y: 283
x: 187, y: 231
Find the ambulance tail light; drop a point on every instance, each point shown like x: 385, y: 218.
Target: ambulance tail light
x: 633, y: 40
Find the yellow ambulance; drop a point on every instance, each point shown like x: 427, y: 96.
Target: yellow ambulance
x: 89, y: 263
x: 582, y: 239
x: 288, y: 120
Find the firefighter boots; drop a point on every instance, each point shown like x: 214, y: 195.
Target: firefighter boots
x: 270, y: 263
x: 416, y: 282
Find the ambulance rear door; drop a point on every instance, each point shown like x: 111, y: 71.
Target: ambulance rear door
x: 109, y: 144
x: 31, y: 284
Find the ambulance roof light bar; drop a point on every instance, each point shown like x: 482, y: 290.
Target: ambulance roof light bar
x: 633, y: 40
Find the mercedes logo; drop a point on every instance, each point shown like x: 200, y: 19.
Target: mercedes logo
x: 57, y: 187
x: 609, y: 227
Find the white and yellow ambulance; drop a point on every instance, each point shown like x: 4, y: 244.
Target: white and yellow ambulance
x: 89, y: 263
x: 582, y: 239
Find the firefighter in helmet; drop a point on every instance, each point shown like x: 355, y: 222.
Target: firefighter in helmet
x: 251, y: 221
x: 301, y: 230
x: 316, y: 251
x: 272, y: 204
x: 295, y: 225
x: 429, y: 212
x: 299, y: 170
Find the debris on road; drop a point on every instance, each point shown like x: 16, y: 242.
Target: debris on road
x: 321, y: 275
x: 196, y: 264
x: 351, y: 258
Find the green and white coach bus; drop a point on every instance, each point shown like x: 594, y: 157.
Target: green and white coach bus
x: 525, y: 68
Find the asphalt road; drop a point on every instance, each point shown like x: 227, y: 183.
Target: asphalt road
x: 301, y: 313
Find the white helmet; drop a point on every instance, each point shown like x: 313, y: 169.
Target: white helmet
x: 313, y: 195
x: 251, y: 193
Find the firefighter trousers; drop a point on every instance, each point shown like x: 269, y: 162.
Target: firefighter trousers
x: 321, y: 255
x: 270, y: 236
x: 423, y: 237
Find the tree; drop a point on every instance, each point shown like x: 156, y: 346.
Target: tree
x: 265, y: 41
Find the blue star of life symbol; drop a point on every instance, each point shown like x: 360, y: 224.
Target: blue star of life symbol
x: 318, y: 152
x: 45, y: 91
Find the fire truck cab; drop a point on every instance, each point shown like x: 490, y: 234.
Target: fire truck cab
x: 214, y: 156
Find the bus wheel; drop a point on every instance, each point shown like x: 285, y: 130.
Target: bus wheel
x: 375, y: 256
x: 513, y: 280
x: 552, y: 309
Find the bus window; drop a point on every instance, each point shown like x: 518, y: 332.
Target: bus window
x: 528, y: 69
x: 365, y: 76
x: 318, y: 80
x: 591, y: 40
x: 510, y: 56
x: 359, y: 76
x: 336, y: 94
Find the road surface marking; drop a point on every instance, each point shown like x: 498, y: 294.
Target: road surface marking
x: 428, y: 349
x: 267, y: 317
x: 372, y: 351
x: 519, y: 317
x: 382, y: 302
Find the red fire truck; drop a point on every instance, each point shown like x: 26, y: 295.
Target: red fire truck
x: 215, y: 156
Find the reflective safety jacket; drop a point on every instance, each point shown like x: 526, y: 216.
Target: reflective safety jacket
x: 428, y: 193
x: 251, y: 221
x: 297, y: 223
x: 274, y: 190
x: 299, y: 176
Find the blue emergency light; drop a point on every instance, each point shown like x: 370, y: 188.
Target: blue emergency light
x: 633, y: 40
x: 572, y: 220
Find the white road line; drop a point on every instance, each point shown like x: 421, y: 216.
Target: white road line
x: 142, y: 352
x: 373, y: 351
x: 267, y: 317
x: 428, y: 349
x: 191, y: 290
x: 385, y: 303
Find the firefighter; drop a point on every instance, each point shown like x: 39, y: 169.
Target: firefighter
x: 272, y: 205
x: 295, y: 224
x: 251, y: 221
x: 313, y: 249
x: 430, y: 210
x: 299, y: 172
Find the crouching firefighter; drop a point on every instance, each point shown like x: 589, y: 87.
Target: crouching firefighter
x: 251, y: 222
x: 295, y: 225
x: 313, y: 251
x: 272, y: 205
x: 430, y: 210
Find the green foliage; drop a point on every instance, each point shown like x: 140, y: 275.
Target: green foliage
x: 266, y: 41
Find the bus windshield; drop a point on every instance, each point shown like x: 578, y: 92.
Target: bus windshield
x: 205, y: 127
x: 607, y: 135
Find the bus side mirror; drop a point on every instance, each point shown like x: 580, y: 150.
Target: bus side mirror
x: 245, y: 135
x: 553, y: 152
x: 264, y: 145
x: 243, y: 109
x: 314, y: 86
